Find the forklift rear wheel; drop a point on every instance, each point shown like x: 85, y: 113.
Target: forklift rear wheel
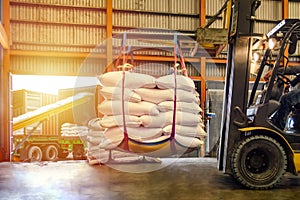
x: 259, y: 162
x: 35, y: 153
x: 50, y: 153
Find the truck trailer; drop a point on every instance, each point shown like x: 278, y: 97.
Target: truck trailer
x: 30, y: 146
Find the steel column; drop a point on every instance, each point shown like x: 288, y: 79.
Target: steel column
x: 237, y: 78
x: 109, y: 28
x: 5, y: 93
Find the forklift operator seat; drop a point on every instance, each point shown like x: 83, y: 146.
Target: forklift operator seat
x: 277, y: 90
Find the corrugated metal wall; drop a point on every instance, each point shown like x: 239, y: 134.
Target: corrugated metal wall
x: 212, y: 7
x: 78, y: 26
x: 175, y: 15
x: 270, y: 11
x: 55, y: 26
x: 163, y: 68
x: 57, y: 66
x: 164, y: 6
x: 294, y: 12
x: 215, y: 70
x: 267, y: 14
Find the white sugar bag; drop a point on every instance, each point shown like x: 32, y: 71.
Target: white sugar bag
x: 180, y: 106
x: 159, y: 95
x: 95, y: 133
x: 197, y: 95
x: 132, y: 80
x: 92, y: 147
x: 158, y: 121
x: 190, y: 142
x: 94, y: 124
x: 183, y: 82
x: 102, y: 156
x: 137, y: 109
x: 139, y: 134
x: 117, y: 120
x: 191, y: 131
x: 166, y: 118
x: 95, y: 140
x: 98, y: 156
x: 111, y: 139
x: 115, y: 93
x: 142, y: 133
x: 157, y: 139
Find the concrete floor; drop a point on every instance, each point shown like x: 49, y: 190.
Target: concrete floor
x: 184, y: 178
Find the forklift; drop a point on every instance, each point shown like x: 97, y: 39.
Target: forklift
x: 252, y: 148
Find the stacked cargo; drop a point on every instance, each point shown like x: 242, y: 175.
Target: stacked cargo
x: 142, y: 106
x: 100, y: 149
x: 69, y: 129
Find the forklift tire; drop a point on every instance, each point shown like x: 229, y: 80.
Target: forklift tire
x: 50, y: 153
x: 35, y: 154
x: 258, y: 162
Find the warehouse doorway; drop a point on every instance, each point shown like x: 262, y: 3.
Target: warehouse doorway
x: 48, y: 84
x: 34, y: 97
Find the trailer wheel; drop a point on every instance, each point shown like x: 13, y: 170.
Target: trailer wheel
x: 50, y: 153
x: 62, y: 154
x: 78, y: 152
x: 259, y: 162
x: 34, y: 153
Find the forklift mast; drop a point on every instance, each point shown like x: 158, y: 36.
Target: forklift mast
x: 237, y: 75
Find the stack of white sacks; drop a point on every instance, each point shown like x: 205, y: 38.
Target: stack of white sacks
x: 149, y: 106
x: 98, y: 146
x: 69, y: 129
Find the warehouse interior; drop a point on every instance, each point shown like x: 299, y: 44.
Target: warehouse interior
x: 55, y: 61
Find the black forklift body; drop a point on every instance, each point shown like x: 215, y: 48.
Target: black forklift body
x: 253, y: 149
x: 237, y: 76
